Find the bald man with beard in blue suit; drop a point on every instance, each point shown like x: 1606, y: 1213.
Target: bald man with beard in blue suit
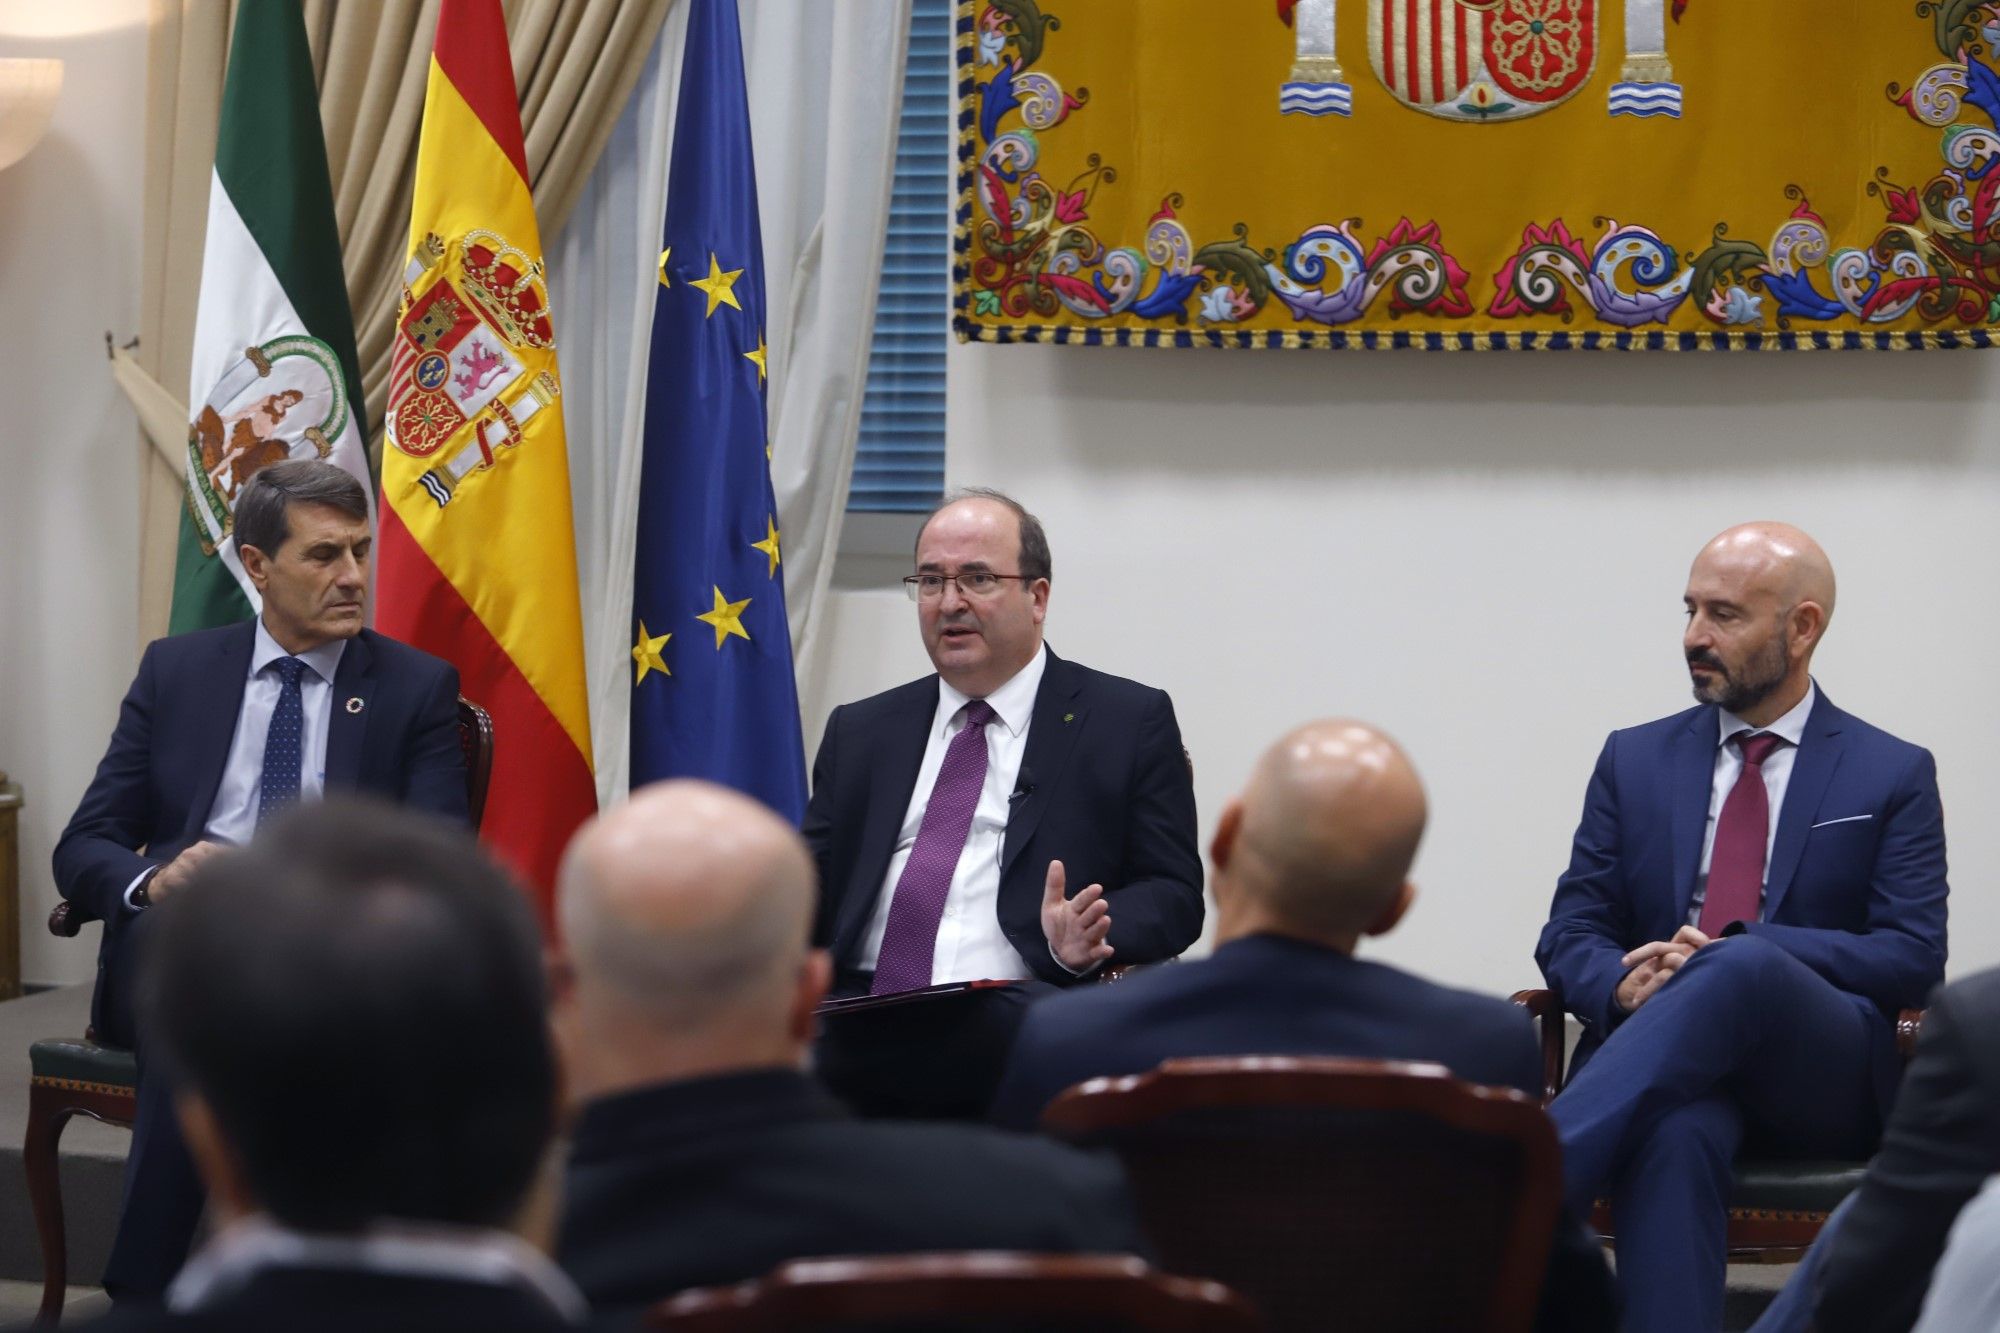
x: 1757, y: 886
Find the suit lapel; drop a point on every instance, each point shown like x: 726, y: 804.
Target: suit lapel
x: 217, y: 713
x: 348, y: 718
x: 1058, y: 720
x: 1819, y: 754
x: 892, y: 778
x: 1694, y: 784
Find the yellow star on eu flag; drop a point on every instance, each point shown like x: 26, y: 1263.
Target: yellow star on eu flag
x: 718, y: 285
x: 758, y: 357
x: 646, y: 654
x: 727, y: 617
x: 769, y: 546
x: 663, y: 266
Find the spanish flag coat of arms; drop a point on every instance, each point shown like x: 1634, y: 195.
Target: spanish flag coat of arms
x: 478, y: 557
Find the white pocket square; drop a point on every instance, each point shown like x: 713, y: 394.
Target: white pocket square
x: 1848, y: 820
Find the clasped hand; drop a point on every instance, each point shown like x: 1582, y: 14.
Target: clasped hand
x: 1653, y: 965
x: 169, y: 878
x: 1076, y: 927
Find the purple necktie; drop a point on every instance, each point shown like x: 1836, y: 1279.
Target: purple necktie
x: 910, y: 938
x: 1736, y: 863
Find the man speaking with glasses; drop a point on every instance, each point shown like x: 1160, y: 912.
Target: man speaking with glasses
x: 1015, y: 816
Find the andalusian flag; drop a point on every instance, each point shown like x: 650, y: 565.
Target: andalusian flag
x: 274, y: 374
x: 478, y: 553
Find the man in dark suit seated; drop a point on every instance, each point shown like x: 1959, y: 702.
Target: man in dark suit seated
x: 1311, y: 858
x: 221, y: 729
x: 1870, y: 1267
x: 1757, y: 887
x: 354, y: 1010
x: 1014, y: 816
x: 703, y: 1153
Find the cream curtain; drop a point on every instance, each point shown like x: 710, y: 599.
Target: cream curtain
x: 825, y: 85
x: 575, y: 62
x: 186, y: 45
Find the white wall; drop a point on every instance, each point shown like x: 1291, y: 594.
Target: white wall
x: 69, y: 447
x: 1484, y: 553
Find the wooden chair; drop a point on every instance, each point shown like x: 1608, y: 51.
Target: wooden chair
x: 1369, y: 1195
x: 1777, y: 1205
x: 974, y: 1291
x: 82, y: 1076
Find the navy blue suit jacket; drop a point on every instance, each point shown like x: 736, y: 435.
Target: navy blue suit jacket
x: 1271, y: 995
x: 1855, y: 889
x: 1264, y: 995
x: 151, y: 796
x: 1105, y: 789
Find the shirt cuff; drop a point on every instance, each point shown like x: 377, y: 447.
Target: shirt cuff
x: 1072, y: 971
x: 133, y: 887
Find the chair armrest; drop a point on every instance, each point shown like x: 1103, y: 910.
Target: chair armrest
x: 67, y: 919
x: 1909, y: 1024
x: 1549, y: 1017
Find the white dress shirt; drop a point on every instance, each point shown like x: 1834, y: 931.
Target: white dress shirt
x: 233, y: 817
x: 245, y: 1248
x: 970, y: 945
x: 1777, y: 777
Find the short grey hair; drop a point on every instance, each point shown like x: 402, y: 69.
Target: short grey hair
x: 1034, y: 557
x: 261, y: 507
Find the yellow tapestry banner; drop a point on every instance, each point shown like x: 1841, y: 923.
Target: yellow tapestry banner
x: 1475, y: 174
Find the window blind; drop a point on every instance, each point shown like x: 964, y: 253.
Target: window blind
x: 899, y: 458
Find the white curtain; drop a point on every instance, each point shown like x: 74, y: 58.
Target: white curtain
x: 825, y: 86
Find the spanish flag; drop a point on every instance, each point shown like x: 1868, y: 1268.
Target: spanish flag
x: 478, y: 551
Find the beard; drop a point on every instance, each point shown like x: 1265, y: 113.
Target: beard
x: 1749, y: 685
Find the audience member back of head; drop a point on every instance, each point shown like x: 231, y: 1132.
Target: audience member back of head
x: 1314, y: 856
x: 704, y: 1154
x: 354, y: 1012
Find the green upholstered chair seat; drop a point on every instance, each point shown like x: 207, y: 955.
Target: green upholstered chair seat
x: 1801, y: 1187
x: 83, y: 1061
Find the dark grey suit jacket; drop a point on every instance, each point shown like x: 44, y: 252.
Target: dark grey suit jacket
x: 1941, y: 1143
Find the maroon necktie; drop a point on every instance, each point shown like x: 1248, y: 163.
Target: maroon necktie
x: 1736, y: 864
x: 910, y: 939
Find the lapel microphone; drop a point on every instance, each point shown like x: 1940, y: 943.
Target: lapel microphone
x: 1024, y: 787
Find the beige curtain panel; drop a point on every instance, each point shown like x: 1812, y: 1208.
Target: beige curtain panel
x: 575, y: 62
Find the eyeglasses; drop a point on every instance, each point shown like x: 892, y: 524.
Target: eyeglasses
x: 971, y: 584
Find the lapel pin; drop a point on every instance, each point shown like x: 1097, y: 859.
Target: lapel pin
x: 1069, y: 717
x: 354, y: 704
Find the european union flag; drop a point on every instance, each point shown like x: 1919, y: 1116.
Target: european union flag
x: 713, y: 695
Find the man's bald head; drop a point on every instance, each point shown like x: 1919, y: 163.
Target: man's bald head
x: 691, y: 904
x: 1773, y: 557
x: 1758, y: 600
x: 1321, y: 841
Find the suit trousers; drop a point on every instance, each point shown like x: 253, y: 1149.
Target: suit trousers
x: 1745, y: 1039
x: 163, y: 1197
x: 1792, y: 1310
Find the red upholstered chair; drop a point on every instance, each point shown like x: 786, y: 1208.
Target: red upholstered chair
x: 1778, y: 1205
x: 1358, y: 1194
x: 938, y: 1293
x: 73, y: 1076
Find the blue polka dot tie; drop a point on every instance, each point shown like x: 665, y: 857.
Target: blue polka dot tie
x: 279, y: 790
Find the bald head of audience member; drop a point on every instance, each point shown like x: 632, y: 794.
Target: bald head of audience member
x: 686, y: 914
x: 1319, y: 845
x: 1758, y: 599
